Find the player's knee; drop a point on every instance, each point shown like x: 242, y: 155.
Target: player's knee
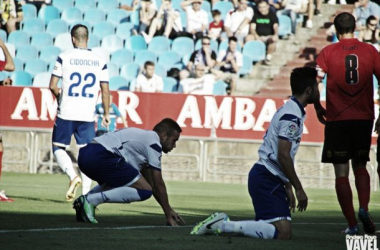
x: 284, y: 235
x: 55, y: 148
x: 144, y: 194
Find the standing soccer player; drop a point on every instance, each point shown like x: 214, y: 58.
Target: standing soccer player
x: 83, y: 75
x: 272, y: 178
x: 349, y: 114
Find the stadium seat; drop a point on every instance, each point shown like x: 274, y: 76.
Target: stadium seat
x: 3, y: 35
x: 57, y: 26
x: 71, y: 15
x: 93, y: 41
x: 124, y: 30
x: 132, y: 86
x: 130, y: 71
x: 108, y: 5
x: 121, y: 57
x: 117, y: 15
x: 113, y: 69
x: 224, y: 46
x: 11, y: 48
x: 224, y: 7
x: 26, y: 53
x: 19, y: 65
x: 21, y: 78
x: 183, y: 16
x: 169, y: 60
x: 186, y: 59
x: 135, y: 18
x: 219, y: 88
x: 170, y: 85
x: 206, y: 6
x: 143, y: 56
x: 159, y: 45
x: 32, y: 26
x: 136, y: 43
x: 103, y: 29
x: 42, y: 80
x: 29, y: 11
x: 255, y: 50
x: 35, y: 66
x: 50, y: 54
x: 183, y: 45
x: 284, y: 25
x: 63, y: 4
x: 160, y: 70
x: 247, y: 66
x: 41, y: 40
x: 102, y: 53
x: 49, y: 13
x: 85, y: 5
x: 112, y: 43
x: 117, y: 82
x: 214, y: 45
x: 3, y: 75
x: 176, y: 4
x: 63, y: 41
x: 94, y: 16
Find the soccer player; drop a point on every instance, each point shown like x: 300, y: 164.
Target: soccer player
x: 83, y: 75
x: 348, y: 117
x: 272, y: 178
x: 127, y: 165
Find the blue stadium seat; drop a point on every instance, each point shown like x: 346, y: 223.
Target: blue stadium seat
x: 247, y: 66
x: 214, y: 45
x: 224, y: 46
x: 284, y: 25
x: 93, y: 41
x: 21, y: 78
x: 3, y: 75
x: 132, y: 85
x: 136, y: 43
x: 121, y: 57
x: 3, y: 35
x: 49, y: 13
x: 169, y: 60
x: 63, y: 41
x: 183, y: 45
x: 219, y: 88
x: 84, y: 5
x: 135, y: 18
x: 108, y: 5
x: 19, y: 65
x: 11, y: 48
x: 41, y: 40
x: 176, y: 4
x: 130, y: 71
x: 206, y: 6
x: 117, y: 82
x: 29, y: 11
x: 56, y: 27
x: 170, y: 85
x: 113, y: 69
x: 102, y: 53
x: 115, y: 16
x: 160, y: 70
x: 63, y: 4
x: 183, y: 16
x: 103, y: 29
x: 111, y: 43
x: 42, y: 80
x: 26, y: 53
x: 35, y: 66
x: 255, y: 50
x: 124, y: 30
x: 50, y: 54
x: 143, y: 56
x: 71, y: 15
x: 94, y: 16
x: 224, y: 7
x: 32, y: 26
x: 159, y: 45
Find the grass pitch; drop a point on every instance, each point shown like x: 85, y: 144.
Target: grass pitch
x: 41, y: 219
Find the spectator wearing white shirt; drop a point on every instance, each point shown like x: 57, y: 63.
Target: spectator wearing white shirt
x: 148, y: 81
x: 294, y: 8
x: 201, y: 84
x: 197, y: 18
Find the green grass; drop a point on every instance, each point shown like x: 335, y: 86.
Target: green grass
x: 39, y: 204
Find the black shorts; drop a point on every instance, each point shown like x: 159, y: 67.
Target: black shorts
x: 345, y: 140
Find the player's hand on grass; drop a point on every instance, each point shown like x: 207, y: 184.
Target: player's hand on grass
x: 291, y: 198
x: 174, y: 219
x: 302, y: 200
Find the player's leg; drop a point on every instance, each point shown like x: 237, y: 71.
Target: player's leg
x: 3, y: 197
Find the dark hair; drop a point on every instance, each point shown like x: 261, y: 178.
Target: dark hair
x: 215, y: 13
x: 167, y: 125
x: 344, y: 23
x: 78, y: 34
x: 148, y: 63
x: 370, y: 18
x: 232, y: 38
x: 301, y: 78
x: 261, y: 1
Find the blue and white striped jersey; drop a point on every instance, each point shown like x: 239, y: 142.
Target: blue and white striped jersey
x: 286, y: 124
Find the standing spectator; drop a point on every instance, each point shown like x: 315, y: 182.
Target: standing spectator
x: 349, y: 116
x: 216, y: 27
x: 294, y: 8
x: 148, y: 81
x: 199, y: 84
x: 364, y: 9
x: 8, y: 11
x: 264, y: 27
x: 237, y: 21
x: 13, y: 23
x: 83, y: 74
x: 197, y: 18
x: 371, y: 33
x: 146, y: 15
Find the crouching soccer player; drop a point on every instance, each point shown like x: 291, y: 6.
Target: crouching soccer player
x: 127, y: 165
x: 271, y: 179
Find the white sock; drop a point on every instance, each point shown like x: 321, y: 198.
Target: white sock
x: 65, y: 163
x: 86, y: 184
x: 250, y: 228
x: 115, y: 195
x: 99, y: 188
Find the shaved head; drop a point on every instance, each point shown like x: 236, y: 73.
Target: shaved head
x: 80, y: 33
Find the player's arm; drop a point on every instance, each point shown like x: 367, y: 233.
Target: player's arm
x: 106, y: 103
x: 9, y: 65
x: 53, y: 86
x: 287, y: 164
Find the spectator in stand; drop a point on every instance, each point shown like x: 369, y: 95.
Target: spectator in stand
x: 237, y: 21
x: 371, y: 33
x: 364, y: 9
x: 318, y: 5
x: 13, y: 22
x: 294, y: 9
x: 134, y: 6
x: 215, y: 28
x: 146, y: 15
x: 8, y: 11
x: 197, y: 18
x: 275, y: 5
x: 148, y: 81
x: 38, y: 3
x: 264, y: 27
x: 200, y: 83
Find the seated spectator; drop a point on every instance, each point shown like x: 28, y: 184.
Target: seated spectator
x: 364, y: 9
x: 230, y: 61
x: 294, y: 8
x: 166, y: 23
x: 275, y: 5
x: 371, y: 33
x: 146, y: 15
x: 133, y: 7
x: 197, y: 18
x: 38, y: 3
x: 148, y: 81
x: 200, y: 83
x: 264, y: 27
x: 216, y: 27
x: 237, y: 21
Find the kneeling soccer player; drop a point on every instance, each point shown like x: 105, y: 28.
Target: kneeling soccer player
x: 127, y: 165
x: 271, y: 179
